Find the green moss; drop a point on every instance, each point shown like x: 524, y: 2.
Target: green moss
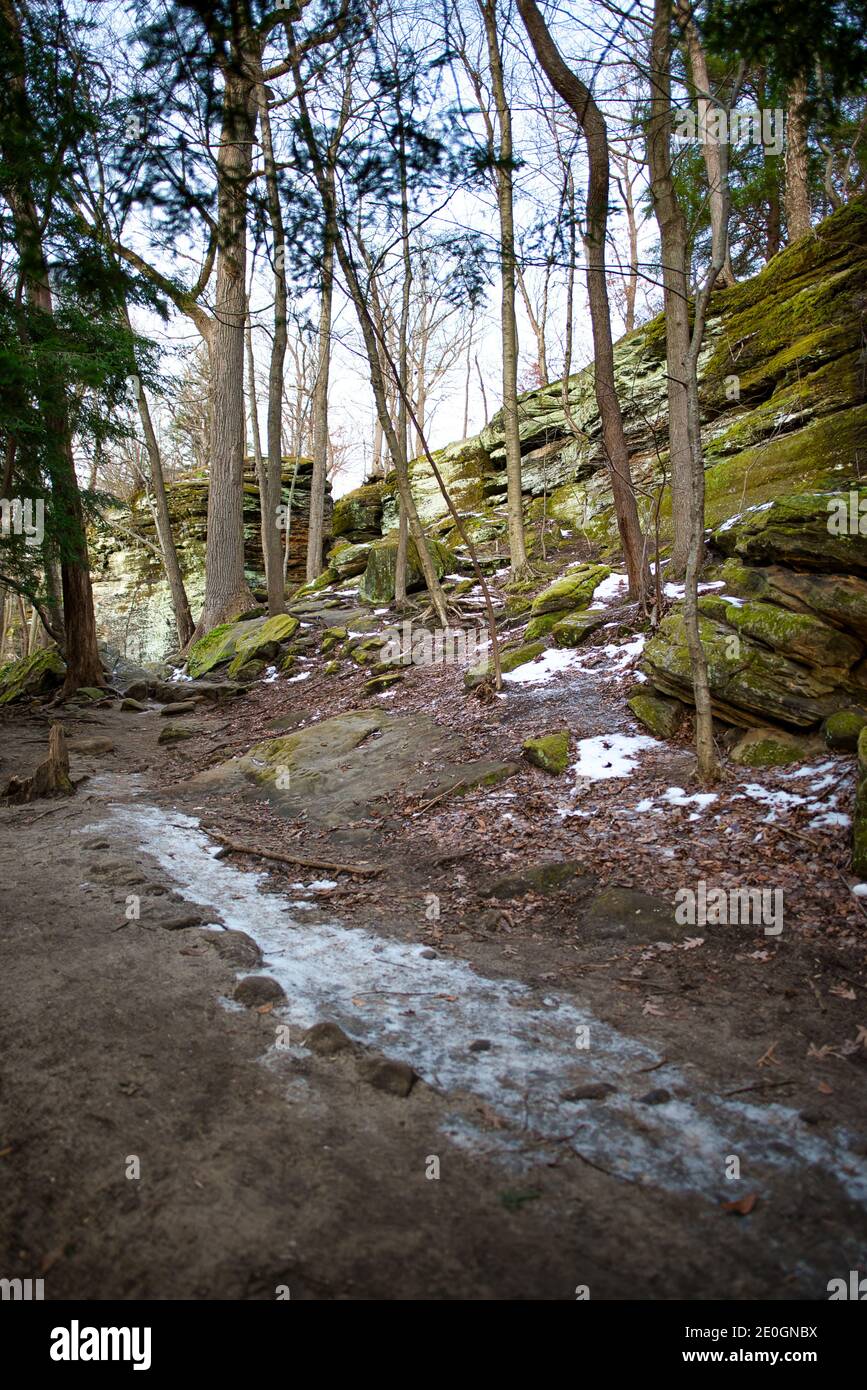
x: 332, y: 637
x: 359, y: 512
x: 34, y: 675
x: 380, y: 683
x: 573, y: 590
x: 572, y: 630
x: 377, y: 586
x: 538, y: 627
x: 661, y: 716
x: 842, y: 729
x: 550, y: 752
x: 770, y: 748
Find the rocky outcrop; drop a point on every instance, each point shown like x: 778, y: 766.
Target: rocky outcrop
x: 132, y: 598
x: 783, y: 409
x: 785, y: 640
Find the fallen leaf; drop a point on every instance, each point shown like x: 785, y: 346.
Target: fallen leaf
x: 768, y: 1059
x: 264, y: 1008
x: 652, y: 1008
x: 842, y: 991
x: 691, y: 942
x: 743, y: 1207
x: 824, y: 1089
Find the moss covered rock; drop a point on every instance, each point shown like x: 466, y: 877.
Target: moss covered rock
x: 663, y: 717
x: 842, y: 729
x: 358, y: 514
x: 749, y: 682
x: 572, y: 591
x: 377, y: 586
x: 550, y: 752
x: 332, y: 637
x: 796, y: 530
x: 238, y: 643
x: 347, y: 560
x: 840, y: 599
x: 799, y: 635
x: 34, y: 675
x: 771, y: 748
x: 572, y: 630
x: 382, y: 682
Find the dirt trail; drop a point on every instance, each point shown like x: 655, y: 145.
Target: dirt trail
x: 264, y: 1163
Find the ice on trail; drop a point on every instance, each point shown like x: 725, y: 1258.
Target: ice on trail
x: 539, y: 1045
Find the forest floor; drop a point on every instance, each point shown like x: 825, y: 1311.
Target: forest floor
x: 591, y: 1076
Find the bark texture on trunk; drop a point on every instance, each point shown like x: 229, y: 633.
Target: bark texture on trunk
x: 797, y: 194
x: 227, y: 593
x: 675, y: 280
x: 509, y: 324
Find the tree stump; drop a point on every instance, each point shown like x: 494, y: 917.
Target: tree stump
x: 51, y: 777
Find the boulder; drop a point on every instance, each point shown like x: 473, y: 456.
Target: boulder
x: 358, y: 514
x: 749, y: 682
x: 840, y: 599
x: 550, y: 752
x: 346, y: 560
x: 38, y: 674
x: 771, y: 748
x: 795, y: 530
x: 802, y: 636
x: 842, y: 729
x: 573, y: 590
x: 510, y: 659
x: 377, y: 586
x: 661, y: 715
x: 240, y: 642
x: 572, y: 630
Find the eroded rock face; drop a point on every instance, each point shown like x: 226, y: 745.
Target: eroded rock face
x: 749, y: 682
x: 131, y: 596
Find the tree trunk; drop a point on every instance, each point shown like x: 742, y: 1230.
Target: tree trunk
x: 273, y: 472
x: 579, y: 98
x: 714, y: 162
x: 675, y: 281
x: 227, y: 593
x: 509, y: 325
x: 162, y: 519
x: 797, y: 195
x: 316, y: 525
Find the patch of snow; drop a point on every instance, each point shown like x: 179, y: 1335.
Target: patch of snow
x: 733, y: 520
x: 672, y: 590
x: 610, y: 755
x: 612, y: 587
x: 538, y: 672
x: 860, y: 890
x: 270, y: 675
x: 304, y: 676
